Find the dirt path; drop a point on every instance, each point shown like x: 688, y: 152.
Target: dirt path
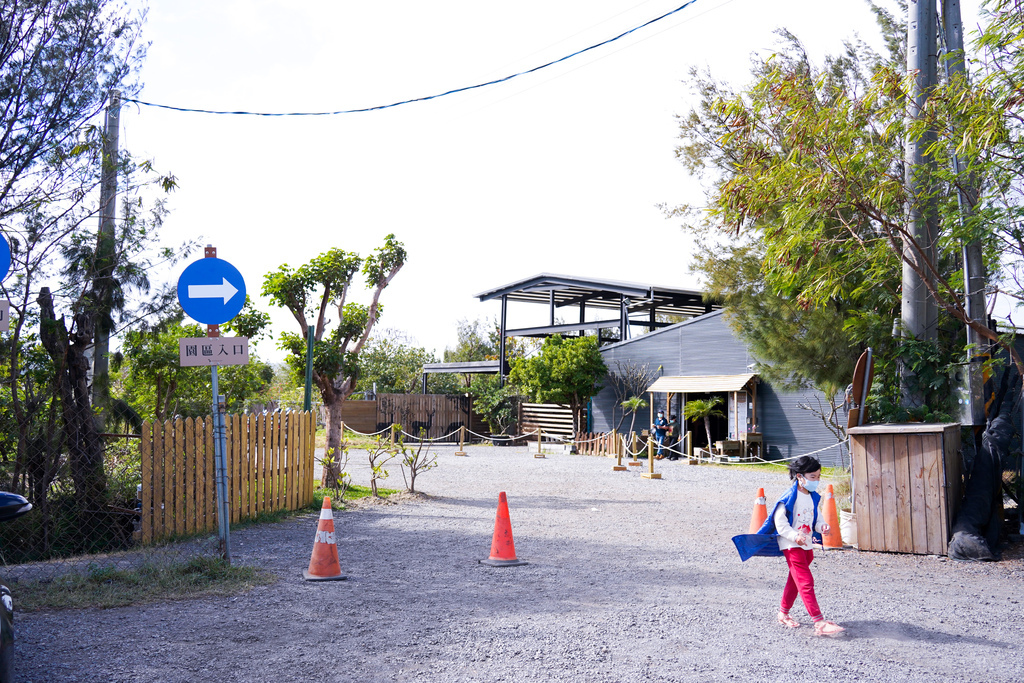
x: 629, y: 580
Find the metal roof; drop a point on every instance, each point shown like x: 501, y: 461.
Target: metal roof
x: 465, y: 367
x: 701, y: 384
x: 598, y: 293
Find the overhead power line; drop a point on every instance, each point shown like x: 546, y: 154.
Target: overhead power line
x: 417, y: 99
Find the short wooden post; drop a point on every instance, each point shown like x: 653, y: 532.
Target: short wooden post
x: 540, y: 452
x: 689, y: 448
x: 650, y: 473
x: 394, y: 428
x: 633, y: 452
x: 618, y: 445
x: 462, y: 440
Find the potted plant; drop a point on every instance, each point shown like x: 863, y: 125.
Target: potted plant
x: 498, y: 405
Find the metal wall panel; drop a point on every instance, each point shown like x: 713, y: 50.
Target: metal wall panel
x: 707, y: 346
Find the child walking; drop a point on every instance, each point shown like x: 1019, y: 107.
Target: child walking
x: 789, y: 531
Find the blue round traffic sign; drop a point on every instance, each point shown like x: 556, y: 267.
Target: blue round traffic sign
x: 211, y: 291
x: 5, y: 257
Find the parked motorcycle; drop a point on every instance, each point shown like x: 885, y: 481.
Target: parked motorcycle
x: 12, y: 506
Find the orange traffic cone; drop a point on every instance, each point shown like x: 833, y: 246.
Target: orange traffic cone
x: 503, y: 549
x: 832, y: 538
x: 323, y: 565
x: 760, y: 512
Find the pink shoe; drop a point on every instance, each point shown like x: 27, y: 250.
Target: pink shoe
x: 787, y: 620
x: 827, y: 628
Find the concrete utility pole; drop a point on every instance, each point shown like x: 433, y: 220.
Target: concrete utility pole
x: 919, y: 312
x: 105, y: 245
x: 972, y: 399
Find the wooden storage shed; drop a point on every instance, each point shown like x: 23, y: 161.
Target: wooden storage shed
x: 906, y: 486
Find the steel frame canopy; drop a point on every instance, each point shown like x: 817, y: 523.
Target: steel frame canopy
x: 626, y: 299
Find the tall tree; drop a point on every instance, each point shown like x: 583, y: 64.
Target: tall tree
x: 58, y: 60
x: 310, y: 292
x: 805, y: 221
x: 394, y: 365
x: 152, y: 380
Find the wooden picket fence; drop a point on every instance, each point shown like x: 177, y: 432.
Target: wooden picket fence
x: 599, y: 443
x: 270, y: 467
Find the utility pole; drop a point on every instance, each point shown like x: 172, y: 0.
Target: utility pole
x: 105, y: 244
x: 919, y: 312
x: 972, y: 400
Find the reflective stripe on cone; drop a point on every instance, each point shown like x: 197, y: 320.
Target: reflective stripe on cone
x: 323, y: 564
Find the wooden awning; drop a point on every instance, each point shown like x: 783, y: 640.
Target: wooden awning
x: 701, y: 384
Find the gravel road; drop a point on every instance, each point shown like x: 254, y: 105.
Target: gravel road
x: 628, y: 579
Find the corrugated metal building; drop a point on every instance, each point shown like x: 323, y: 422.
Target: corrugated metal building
x: 706, y: 345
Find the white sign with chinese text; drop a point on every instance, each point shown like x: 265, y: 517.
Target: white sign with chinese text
x: 5, y: 315
x: 198, y: 351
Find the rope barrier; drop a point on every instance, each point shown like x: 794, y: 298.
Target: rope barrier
x: 762, y: 461
x: 438, y: 438
x: 492, y: 437
x: 386, y: 429
x: 627, y: 449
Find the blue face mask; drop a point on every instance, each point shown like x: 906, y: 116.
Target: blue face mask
x: 811, y: 484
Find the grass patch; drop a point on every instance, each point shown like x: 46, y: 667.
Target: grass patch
x: 109, y: 587
x: 352, y: 440
x: 353, y: 492
x: 780, y: 469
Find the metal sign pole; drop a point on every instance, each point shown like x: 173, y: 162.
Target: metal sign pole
x: 307, y: 404
x: 220, y: 460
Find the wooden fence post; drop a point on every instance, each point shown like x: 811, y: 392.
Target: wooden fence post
x: 462, y: 440
x: 633, y: 452
x: 618, y: 445
x: 146, y: 454
x: 650, y: 473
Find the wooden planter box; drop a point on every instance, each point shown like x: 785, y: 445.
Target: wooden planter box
x: 906, y: 486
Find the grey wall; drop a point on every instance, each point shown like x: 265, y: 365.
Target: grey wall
x: 707, y: 346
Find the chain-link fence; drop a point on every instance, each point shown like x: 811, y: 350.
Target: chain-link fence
x: 66, y: 532
x: 157, y: 500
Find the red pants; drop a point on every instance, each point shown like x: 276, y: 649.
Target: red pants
x: 800, y: 581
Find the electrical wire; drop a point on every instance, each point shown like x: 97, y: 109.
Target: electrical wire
x: 416, y: 99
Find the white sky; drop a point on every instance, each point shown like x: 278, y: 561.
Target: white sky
x: 558, y: 171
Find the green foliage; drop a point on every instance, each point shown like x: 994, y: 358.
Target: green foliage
x: 383, y: 262
x: 334, y: 476
x: 698, y: 409
x: 396, y: 367
x: 796, y: 346
x: 151, y: 379
x: 631, y: 406
x: 498, y: 405
x: 481, y: 340
x: 416, y: 462
x: 476, y: 341
x: 308, y: 292
x: 634, y: 403
x: 105, y: 587
x: 250, y: 322
x: 293, y: 289
x: 379, y: 454
x: 703, y: 409
x: 805, y: 229
x: 931, y: 377
x: 566, y: 371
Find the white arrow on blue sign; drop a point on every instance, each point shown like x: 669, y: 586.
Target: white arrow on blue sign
x: 211, y: 291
